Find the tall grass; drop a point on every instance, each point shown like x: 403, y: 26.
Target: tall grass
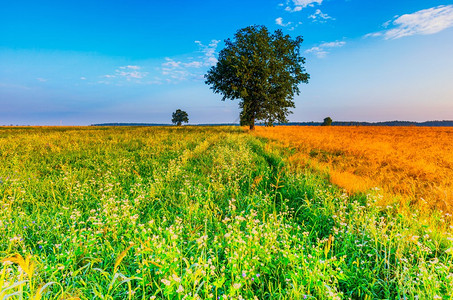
x: 199, y: 213
x: 413, y: 162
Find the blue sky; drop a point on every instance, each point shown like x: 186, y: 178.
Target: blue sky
x: 84, y: 62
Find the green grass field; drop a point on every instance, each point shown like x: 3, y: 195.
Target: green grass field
x: 199, y: 213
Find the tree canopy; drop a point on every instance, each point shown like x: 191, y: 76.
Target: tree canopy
x: 179, y: 116
x: 263, y: 70
x: 327, y: 121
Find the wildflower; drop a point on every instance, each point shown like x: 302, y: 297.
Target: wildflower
x: 237, y: 286
x: 244, y: 275
x: 180, y: 289
x: 166, y: 282
x: 176, y: 278
x: 258, y: 275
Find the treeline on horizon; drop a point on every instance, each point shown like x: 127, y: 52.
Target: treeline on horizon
x: 444, y: 123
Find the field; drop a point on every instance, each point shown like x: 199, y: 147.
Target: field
x: 219, y: 213
x: 415, y: 163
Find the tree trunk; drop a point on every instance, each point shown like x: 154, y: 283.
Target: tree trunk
x: 252, y: 124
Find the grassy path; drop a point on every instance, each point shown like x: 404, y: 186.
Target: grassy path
x: 197, y: 213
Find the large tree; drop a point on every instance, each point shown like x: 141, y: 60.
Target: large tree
x: 179, y: 116
x: 262, y: 70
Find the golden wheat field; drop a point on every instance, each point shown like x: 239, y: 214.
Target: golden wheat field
x: 414, y: 162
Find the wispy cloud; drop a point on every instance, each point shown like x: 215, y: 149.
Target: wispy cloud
x: 170, y: 70
x: 174, y: 70
x: 180, y: 70
x: 209, y: 51
x: 131, y: 67
x: 279, y: 21
x: 424, y: 22
x: 130, y: 72
x: 194, y: 64
x: 323, y: 49
x: 288, y: 25
x: 14, y: 86
x: 298, y: 5
x: 40, y: 79
x: 127, y: 72
x: 320, y: 17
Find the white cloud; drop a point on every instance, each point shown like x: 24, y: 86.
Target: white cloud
x: 323, y: 49
x: 127, y: 72
x: 193, y: 64
x: 40, y: 79
x: 170, y: 70
x: 209, y: 51
x: 174, y: 69
x: 83, y: 78
x: 130, y: 72
x: 131, y: 67
x: 298, y: 5
x: 297, y: 8
x: 279, y: 21
x: 386, y: 24
x: 424, y: 22
x: 318, y: 51
x: 130, y: 75
x: 333, y: 44
x: 191, y: 68
x: 305, y: 3
x: 170, y: 63
x: 319, y: 16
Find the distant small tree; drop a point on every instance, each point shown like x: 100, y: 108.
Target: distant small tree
x: 179, y: 116
x: 327, y: 121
